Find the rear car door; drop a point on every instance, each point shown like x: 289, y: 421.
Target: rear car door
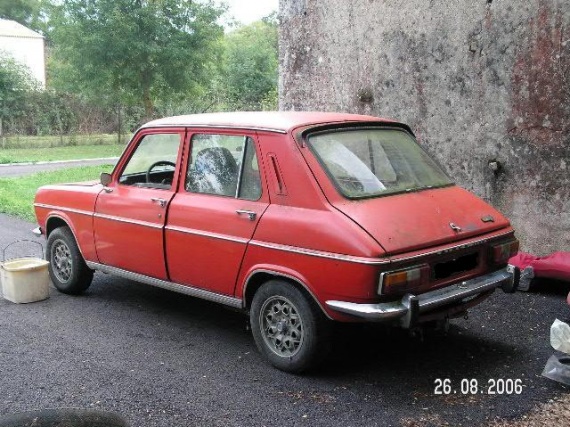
x: 130, y: 212
x: 216, y: 210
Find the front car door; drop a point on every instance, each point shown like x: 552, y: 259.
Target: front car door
x: 215, y: 213
x: 130, y: 212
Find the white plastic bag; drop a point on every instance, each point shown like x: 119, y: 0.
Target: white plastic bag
x: 525, y: 279
x: 558, y: 369
x: 560, y: 336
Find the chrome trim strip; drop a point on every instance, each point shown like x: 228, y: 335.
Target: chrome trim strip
x: 372, y: 312
x: 206, y: 234
x: 321, y: 254
x: 171, y: 286
x: 128, y: 221
x: 288, y: 276
x: 467, y: 245
x: 426, y: 301
x: 60, y: 208
x: 203, y: 126
x: 370, y: 261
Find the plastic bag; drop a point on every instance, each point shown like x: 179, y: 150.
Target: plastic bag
x: 553, y: 266
x: 558, y: 369
x: 525, y: 279
x: 560, y: 336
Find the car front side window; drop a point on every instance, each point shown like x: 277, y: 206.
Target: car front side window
x: 153, y: 162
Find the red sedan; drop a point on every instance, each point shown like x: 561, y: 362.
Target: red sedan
x: 299, y: 219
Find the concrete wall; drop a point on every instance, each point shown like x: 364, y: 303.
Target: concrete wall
x: 478, y: 80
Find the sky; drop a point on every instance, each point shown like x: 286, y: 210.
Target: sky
x: 247, y: 11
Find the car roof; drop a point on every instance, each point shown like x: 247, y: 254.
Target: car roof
x: 276, y: 121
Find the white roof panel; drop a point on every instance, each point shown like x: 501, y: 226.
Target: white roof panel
x: 10, y: 28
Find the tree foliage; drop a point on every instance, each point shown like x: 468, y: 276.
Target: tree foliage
x: 23, y: 11
x: 249, y: 69
x: 134, y: 51
x: 15, y: 85
x: 115, y: 63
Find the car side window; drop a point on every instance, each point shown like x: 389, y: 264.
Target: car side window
x: 222, y: 164
x: 153, y: 163
x: 250, y: 185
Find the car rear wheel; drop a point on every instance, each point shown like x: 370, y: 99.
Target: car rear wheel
x: 62, y: 418
x: 288, y: 328
x: 67, y: 269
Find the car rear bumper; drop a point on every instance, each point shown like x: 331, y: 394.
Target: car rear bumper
x: 410, y: 308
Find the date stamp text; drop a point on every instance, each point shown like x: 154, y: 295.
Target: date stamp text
x: 472, y: 386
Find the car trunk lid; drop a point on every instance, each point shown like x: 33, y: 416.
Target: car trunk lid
x: 422, y: 219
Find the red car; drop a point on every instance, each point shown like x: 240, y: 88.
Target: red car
x: 297, y: 218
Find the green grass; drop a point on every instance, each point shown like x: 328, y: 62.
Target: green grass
x: 49, y: 141
x: 22, y: 155
x: 17, y: 194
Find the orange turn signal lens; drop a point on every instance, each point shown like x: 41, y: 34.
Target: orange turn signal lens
x: 397, y: 282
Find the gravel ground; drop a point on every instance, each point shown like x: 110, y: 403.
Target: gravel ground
x: 552, y: 414
x: 163, y: 359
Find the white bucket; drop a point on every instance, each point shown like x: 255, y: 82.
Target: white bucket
x: 25, y: 279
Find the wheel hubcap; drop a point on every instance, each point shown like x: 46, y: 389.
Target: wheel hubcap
x: 61, y: 261
x: 281, y: 326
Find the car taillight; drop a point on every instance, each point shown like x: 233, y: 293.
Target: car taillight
x: 501, y: 253
x: 401, y: 281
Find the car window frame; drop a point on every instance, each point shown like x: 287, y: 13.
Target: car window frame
x: 132, y: 147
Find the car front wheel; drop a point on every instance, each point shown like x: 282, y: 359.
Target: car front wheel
x: 67, y: 269
x: 288, y: 328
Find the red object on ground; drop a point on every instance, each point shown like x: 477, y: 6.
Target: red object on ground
x: 553, y: 266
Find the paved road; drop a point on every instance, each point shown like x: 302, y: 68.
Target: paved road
x: 162, y: 359
x: 14, y: 170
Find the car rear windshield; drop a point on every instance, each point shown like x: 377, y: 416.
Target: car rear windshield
x: 376, y: 161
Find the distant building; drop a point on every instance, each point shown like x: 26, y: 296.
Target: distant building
x: 25, y: 46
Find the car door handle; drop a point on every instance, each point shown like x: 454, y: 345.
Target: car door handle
x: 161, y: 202
x: 250, y: 214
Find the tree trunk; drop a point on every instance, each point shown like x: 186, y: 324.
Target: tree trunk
x: 148, y: 104
x: 120, y: 128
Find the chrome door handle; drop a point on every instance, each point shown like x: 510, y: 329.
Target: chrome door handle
x: 161, y: 202
x: 107, y: 190
x: 250, y: 214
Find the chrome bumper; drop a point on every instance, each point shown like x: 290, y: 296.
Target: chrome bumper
x: 409, y: 308
x: 37, y: 231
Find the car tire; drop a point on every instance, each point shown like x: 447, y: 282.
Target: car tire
x: 288, y: 327
x: 67, y: 268
x: 64, y: 417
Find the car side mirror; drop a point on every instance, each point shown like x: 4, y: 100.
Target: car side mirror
x: 106, y: 178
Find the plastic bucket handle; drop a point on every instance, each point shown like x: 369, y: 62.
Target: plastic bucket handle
x: 20, y: 241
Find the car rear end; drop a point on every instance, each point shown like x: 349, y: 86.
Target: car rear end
x: 439, y: 284
x: 447, y: 250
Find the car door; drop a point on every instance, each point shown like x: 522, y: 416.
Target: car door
x: 216, y: 210
x: 130, y: 212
